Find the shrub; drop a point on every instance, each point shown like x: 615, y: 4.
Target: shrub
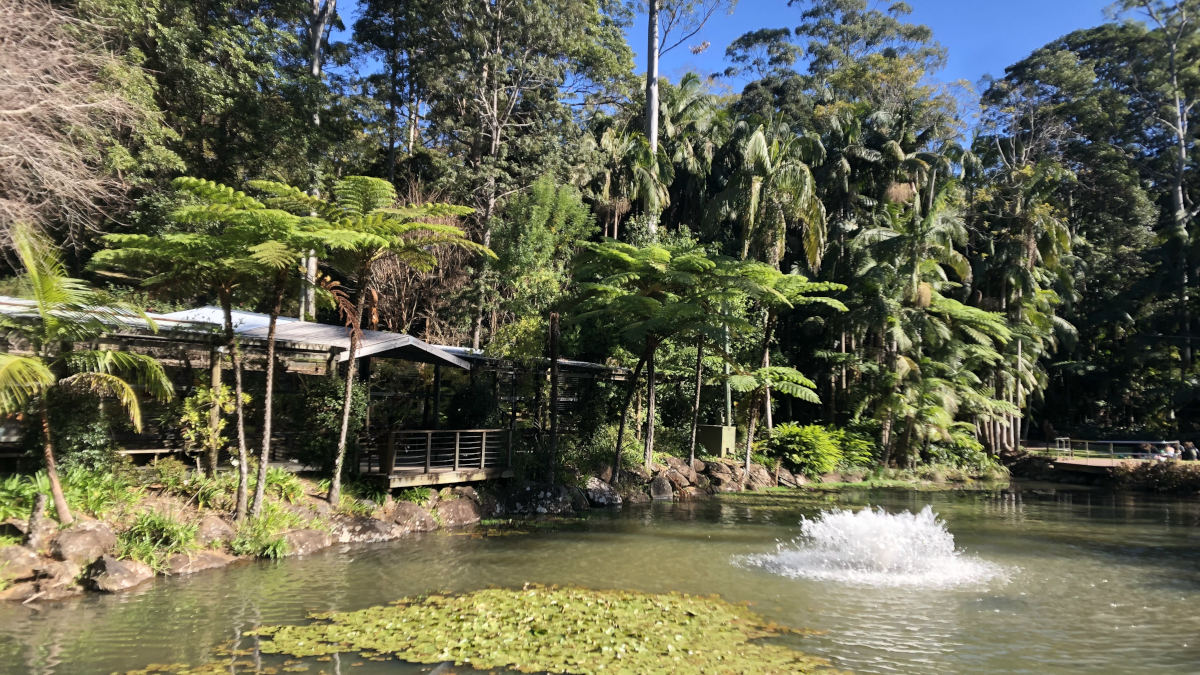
x: 416, y: 495
x: 282, y: 483
x: 93, y: 492
x: 811, y: 450
x: 171, y: 473
x: 963, y: 451
x: 858, y: 449
x: 262, y: 537
x: 321, y: 421
x: 154, y: 537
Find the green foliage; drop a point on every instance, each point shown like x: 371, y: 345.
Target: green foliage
x: 416, y: 495
x: 858, y: 449
x: 154, y: 537
x: 93, y: 492
x: 194, y: 421
x: 171, y: 473
x: 811, y: 450
x: 262, y: 536
x: 539, y: 629
x: 320, y: 418
x: 282, y: 484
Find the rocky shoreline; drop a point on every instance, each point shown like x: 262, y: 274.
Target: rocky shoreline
x: 54, y: 563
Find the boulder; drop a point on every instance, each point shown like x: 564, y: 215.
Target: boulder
x: 579, y: 500
x: 718, y: 469
x: 833, y: 477
x: 689, y: 494
x: 19, y: 592
x: 364, y: 529
x: 190, y: 563
x: 57, y: 579
x: 458, y: 512
x: 698, y: 466
x: 760, y: 478
x: 605, y: 474
x: 677, y: 480
x: 83, y: 543
x: 725, y: 483
x: 600, y: 493
x: 412, y: 518
x: 538, y: 499
x: 305, y: 541
x: 789, y: 479
x: 660, y: 489
x: 110, y: 575
x: 637, y: 497
x: 636, y: 475
x: 16, y: 563
x: 684, y: 469
x: 466, y: 492
x: 212, y: 529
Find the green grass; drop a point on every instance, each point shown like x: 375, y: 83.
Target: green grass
x: 155, y: 537
x: 262, y: 537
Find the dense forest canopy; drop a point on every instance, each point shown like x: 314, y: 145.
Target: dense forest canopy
x: 944, y: 285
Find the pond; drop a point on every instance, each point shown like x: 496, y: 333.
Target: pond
x: 1043, y: 580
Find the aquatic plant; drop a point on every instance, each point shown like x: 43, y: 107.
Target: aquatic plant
x: 539, y: 629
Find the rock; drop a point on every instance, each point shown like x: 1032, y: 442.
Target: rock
x: 83, y: 543
x: 538, y: 499
x: 684, y: 469
x: 760, y: 478
x: 467, y: 492
x: 579, y: 501
x: 725, y: 483
x: 458, y: 512
x: 600, y: 493
x: 718, y: 469
x: 636, y: 475
x: 605, y: 474
x: 110, y: 575
x: 660, y: 489
x: 789, y: 479
x: 305, y: 541
x: 16, y: 563
x: 412, y: 518
x: 637, y: 497
x: 364, y: 529
x: 190, y: 563
x: 698, y: 466
x: 677, y: 480
x: 57, y: 579
x: 212, y: 529
x: 19, y: 592
x: 831, y: 478
x: 689, y: 494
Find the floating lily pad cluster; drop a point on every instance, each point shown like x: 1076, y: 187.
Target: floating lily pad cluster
x: 549, y: 629
x: 540, y: 629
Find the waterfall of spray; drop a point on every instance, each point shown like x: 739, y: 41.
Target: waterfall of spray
x: 874, y: 548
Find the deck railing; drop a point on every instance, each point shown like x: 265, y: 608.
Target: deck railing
x: 1113, y: 450
x: 433, y: 450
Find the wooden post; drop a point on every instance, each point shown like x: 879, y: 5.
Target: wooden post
x: 428, y: 449
x: 483, y: 451
x: 437, y: 396
x: 512, y: 414
x: 389, y: 455
x: 457, y: 437
x: 554, y: 334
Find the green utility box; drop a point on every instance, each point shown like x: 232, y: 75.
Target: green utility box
x: 717, y: 439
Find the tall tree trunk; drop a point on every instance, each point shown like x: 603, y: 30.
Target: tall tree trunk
x: 56, y: 491
x: 696, y: 400
x: 239, y: 409
x: 751, y: 422
x: 335, y: 481
x: 213, y: 450
x: 553, y: 397
x: 650, y: 386
x: 264, y: 456
x: 652, y: 48
x: 633, y: 385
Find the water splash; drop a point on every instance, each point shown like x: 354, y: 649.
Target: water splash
x: 874, y: 548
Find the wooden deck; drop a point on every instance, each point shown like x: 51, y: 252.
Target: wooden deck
x: 445, y: 457
x: 417, y: 478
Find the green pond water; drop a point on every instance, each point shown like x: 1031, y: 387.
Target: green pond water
x: 1045, y: 580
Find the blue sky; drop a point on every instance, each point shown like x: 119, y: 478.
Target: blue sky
x: 982, y: 36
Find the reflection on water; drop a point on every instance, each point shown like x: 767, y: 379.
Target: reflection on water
x: 1095, y: 582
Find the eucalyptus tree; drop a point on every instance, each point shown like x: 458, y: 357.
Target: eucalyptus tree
x: 62, y: 330
x: 366, y: 227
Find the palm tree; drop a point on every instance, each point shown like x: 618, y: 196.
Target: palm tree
x: 62, y: 329
x: 366, y: 227
x: 756, y: 383
x: 773, y: 192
